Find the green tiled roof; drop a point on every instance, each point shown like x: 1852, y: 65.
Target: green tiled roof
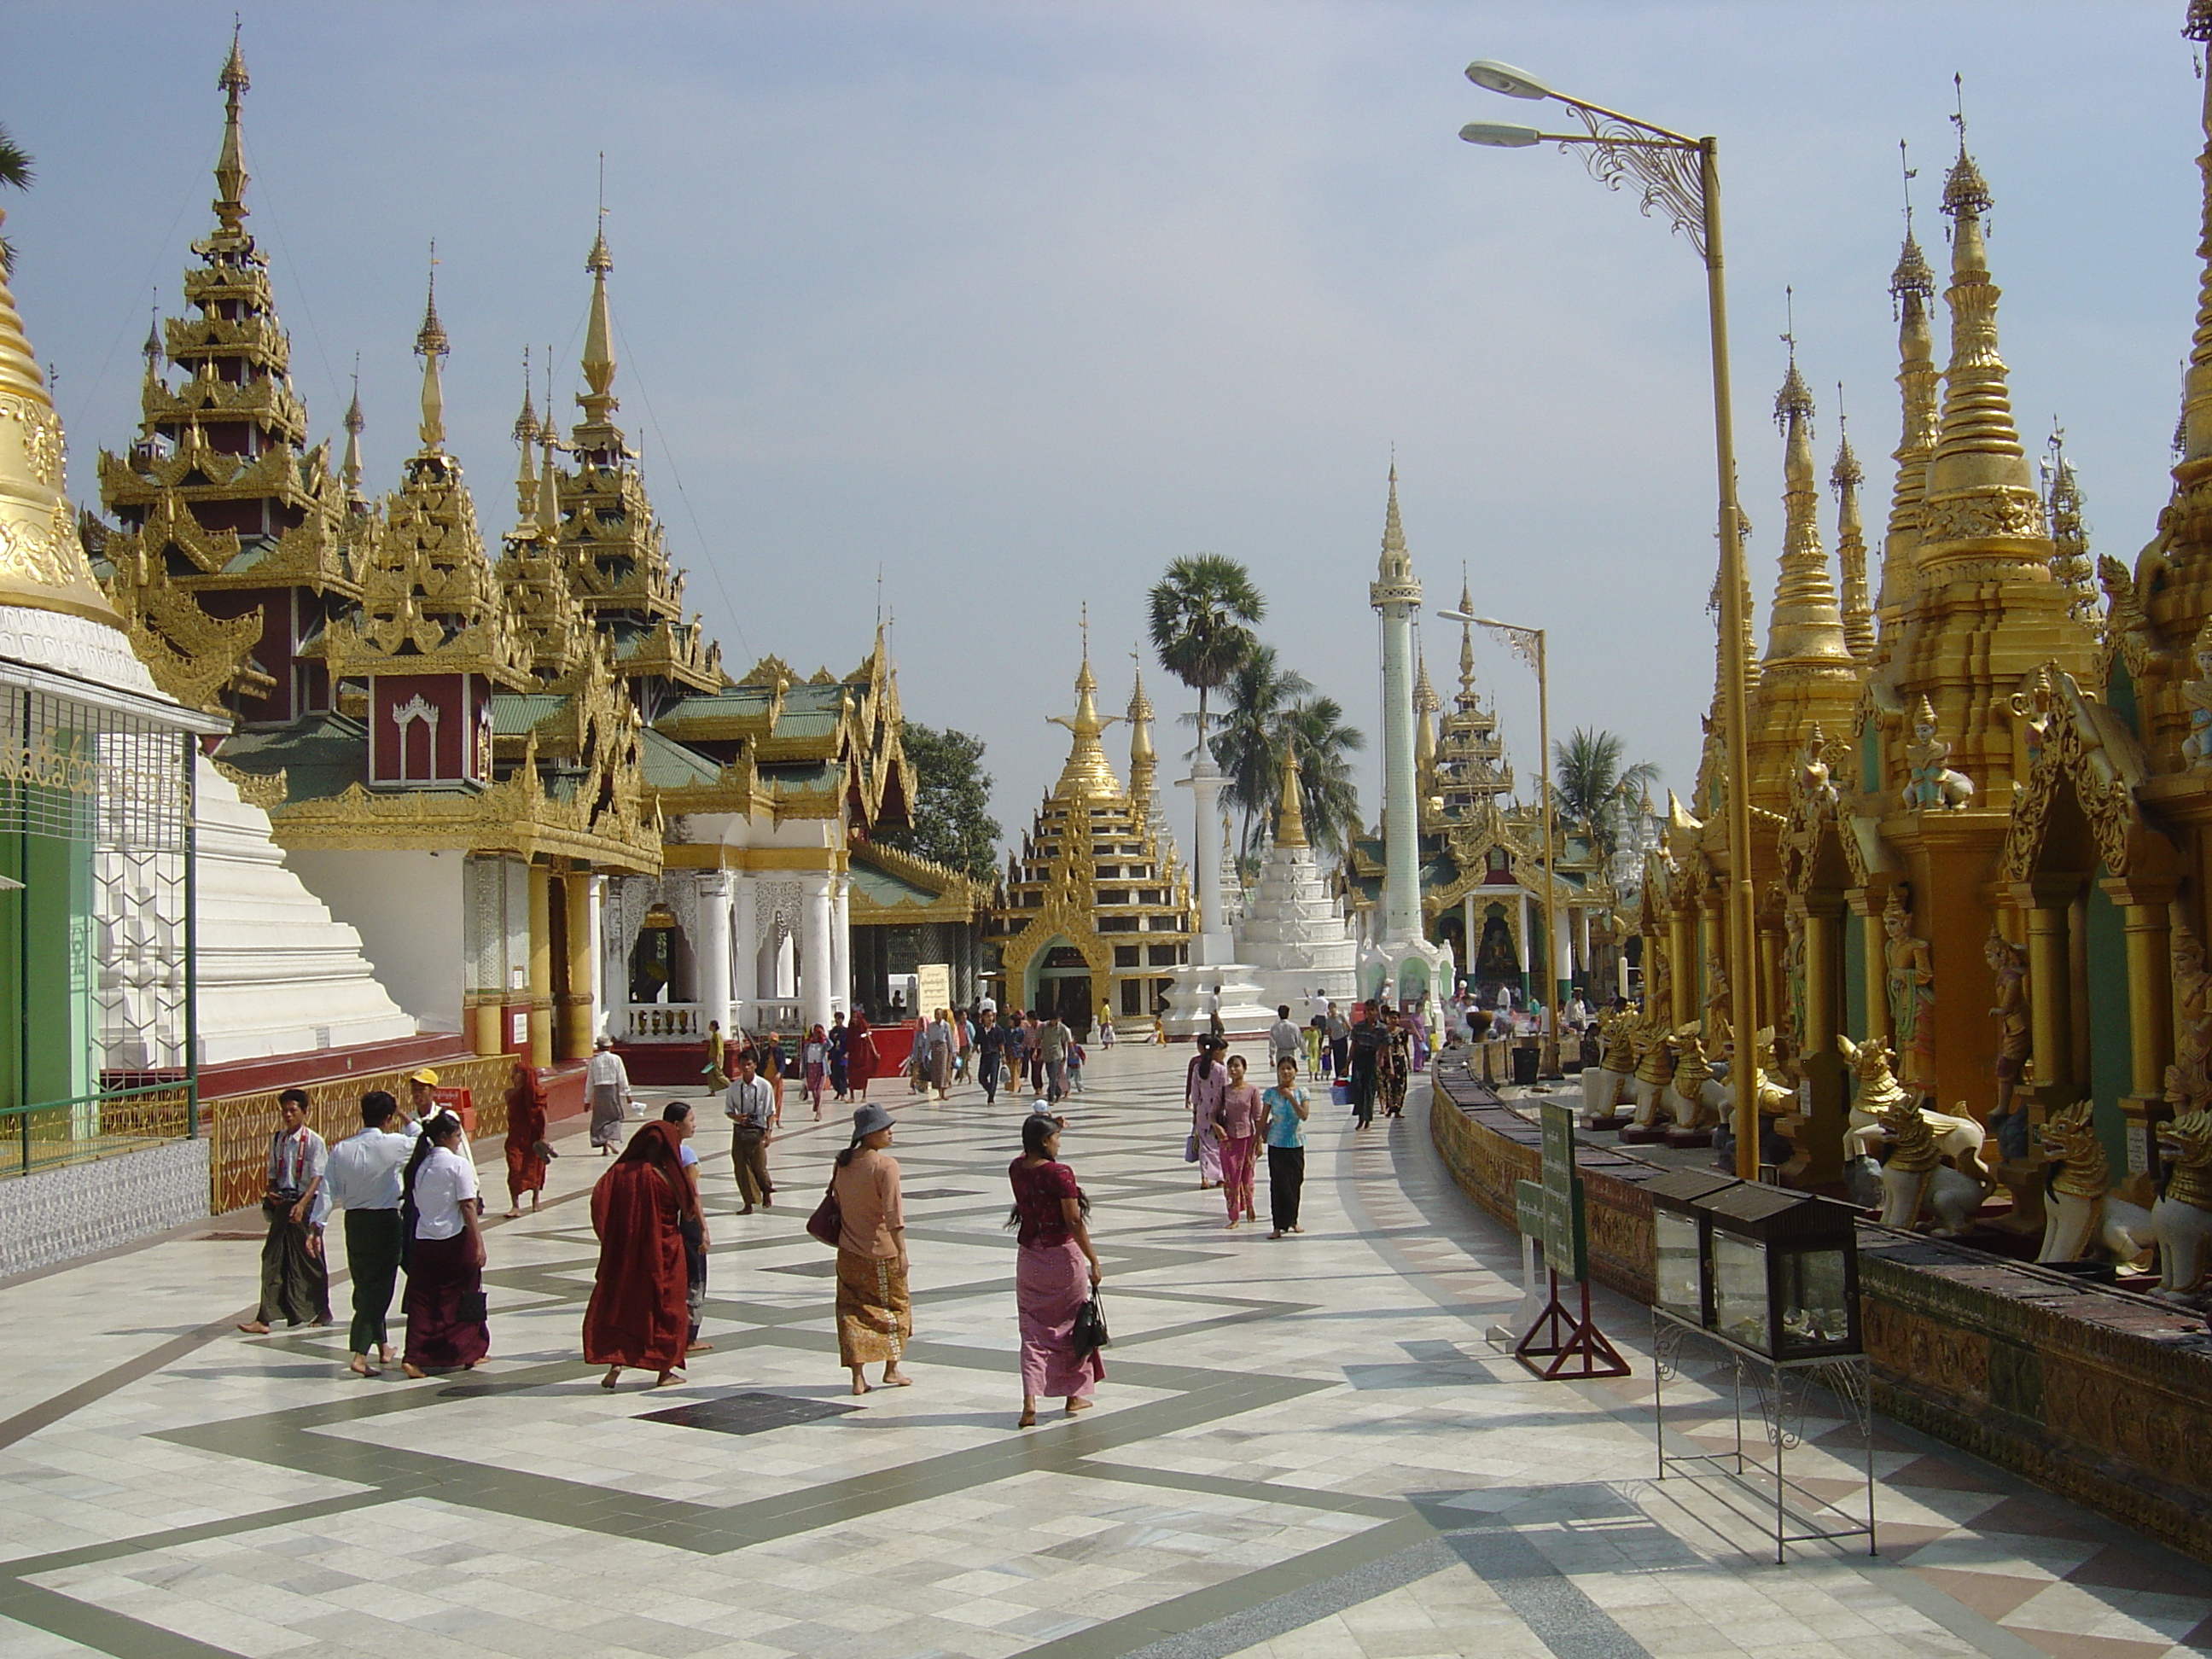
x: 667, y: 764
x: 321, y: 755
x: 515, y: 714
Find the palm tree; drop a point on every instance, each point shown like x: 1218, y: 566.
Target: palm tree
x: 1202, y: 612
x: 1592, y: 784
x: 1248, y: 746
x: 1324, y: 745
x: 15, y: 174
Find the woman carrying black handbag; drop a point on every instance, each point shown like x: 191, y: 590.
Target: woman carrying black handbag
x: 1055, y: 1275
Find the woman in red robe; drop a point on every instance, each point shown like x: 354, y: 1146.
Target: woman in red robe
x: 526, y: 1138
x: 860, y: 1057
x: 638, y: 1316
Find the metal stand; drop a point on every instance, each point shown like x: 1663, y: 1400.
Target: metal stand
x: 1780, y: 1388
x: 1568, y: 1337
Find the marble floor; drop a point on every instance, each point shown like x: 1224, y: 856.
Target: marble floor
x: 1304, y: 1448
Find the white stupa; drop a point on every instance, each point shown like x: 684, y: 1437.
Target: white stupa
x: 275, y: 974
x: 1293, y: 932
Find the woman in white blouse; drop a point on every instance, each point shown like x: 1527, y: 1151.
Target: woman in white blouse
x: 444, y: 1255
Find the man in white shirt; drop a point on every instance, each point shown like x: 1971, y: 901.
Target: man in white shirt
x: 1284, y: 1039
x: 295, y: 1280
x: 750, y: 1107
x: 606, y: 1085
x: 986, y: 1010
x: 362, y: 1177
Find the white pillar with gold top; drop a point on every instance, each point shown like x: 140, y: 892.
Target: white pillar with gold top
x: 840, y: 945
x: 744, y: 946
x: 817, y: 966
x: 713, y: 961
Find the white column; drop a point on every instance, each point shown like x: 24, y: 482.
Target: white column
x: 784, y: 971
x: 1522, y: 899
x: 818, y: 959
x: 1466, y: 928
x: 712, y: 957
x: 744, y: 947
x: 595, y: 901
x: 841, y: 946
x: 1204, y: 784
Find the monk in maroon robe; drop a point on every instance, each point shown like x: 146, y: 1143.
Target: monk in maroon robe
x: 638, y: 1316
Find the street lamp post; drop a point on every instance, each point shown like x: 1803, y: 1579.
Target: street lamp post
x: 1681, y: 174
x: 1528, y: 644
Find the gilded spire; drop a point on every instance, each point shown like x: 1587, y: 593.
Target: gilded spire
x: 1981, y: 503
x: 597, y: 401
x: 230, y: 175
x: 525, y: 477
x: 1141, y: 727
x: 1805, y: 626
x: 2071, y: 566
x: 1396, y: 565
x: 1844, y: 478
x: 350, y: 469
x: 1290, y: 812
x: 1911, y: 289
x: 42, y: 561
x: 1426, y: 706
x: 1087, y: 775
x: 1466, y: 642
x: 2196, y: 393
x: 549, y: 474
x: 431, y: 346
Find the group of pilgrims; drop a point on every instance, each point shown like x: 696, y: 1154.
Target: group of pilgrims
x: 407, y: 1188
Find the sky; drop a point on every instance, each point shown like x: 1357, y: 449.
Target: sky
x: 1011, y: 304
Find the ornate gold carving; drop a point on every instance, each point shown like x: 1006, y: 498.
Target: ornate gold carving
x: 42, y: 436
x: 265, y: 790
x: 1995, y: 512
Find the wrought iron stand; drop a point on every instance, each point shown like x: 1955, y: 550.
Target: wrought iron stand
x: 1793, y: 1515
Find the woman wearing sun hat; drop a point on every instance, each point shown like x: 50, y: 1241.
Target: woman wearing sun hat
x: 875, y: 1319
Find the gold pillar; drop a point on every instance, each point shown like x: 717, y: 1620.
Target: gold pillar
x: 2047, y: 901
x: 2146, y: 916
x: 575, y: 1032
x: 483, y: 1024
x: 541, y: 965
x: 1682, y: 965
x: 1867, y: 904
x: 1773, y: 995
x: 1821, y: 1063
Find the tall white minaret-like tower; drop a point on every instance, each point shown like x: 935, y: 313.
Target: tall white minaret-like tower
x: 1397, y: 594
x: 1402, y: 965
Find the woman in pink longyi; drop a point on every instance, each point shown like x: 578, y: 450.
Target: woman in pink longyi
x: 1203, y: 1085
x: 1055, y: 1271
x: 1235, y: 1124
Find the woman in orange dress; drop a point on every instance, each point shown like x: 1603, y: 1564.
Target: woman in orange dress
x: 526, y: 1149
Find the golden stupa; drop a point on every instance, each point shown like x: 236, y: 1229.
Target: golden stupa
x: 42, y: 561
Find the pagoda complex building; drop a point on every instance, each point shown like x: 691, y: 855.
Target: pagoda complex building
x: 522, y: 775
x: 1095, y: 912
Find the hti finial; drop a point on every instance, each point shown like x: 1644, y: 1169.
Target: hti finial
x: 1965, y: 193
x: 1905, y: 165
x: 430, y: 340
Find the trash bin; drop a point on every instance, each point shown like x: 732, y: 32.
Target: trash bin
x: 1525, y: 1057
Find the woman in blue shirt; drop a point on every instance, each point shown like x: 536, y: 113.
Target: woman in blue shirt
x: 1285, y: 1106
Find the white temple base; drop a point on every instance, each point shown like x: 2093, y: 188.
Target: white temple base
x: 1407, y: 971
x: 1295, y: 937
x: 276, y: 974
x: 1198, y: 993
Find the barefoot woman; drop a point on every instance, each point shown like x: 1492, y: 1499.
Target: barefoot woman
x: 874, y: 1318
x: 1054, y: 1271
